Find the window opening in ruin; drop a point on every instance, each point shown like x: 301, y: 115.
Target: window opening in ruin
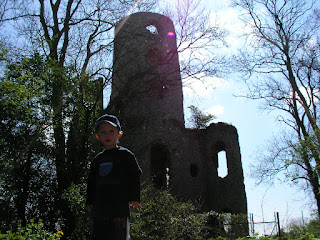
x: 194, y: 170
x: 167, y: 176
x: 227, y: 222
x: 152, y: 29
x: 222, y: 164
x: 160, y: 167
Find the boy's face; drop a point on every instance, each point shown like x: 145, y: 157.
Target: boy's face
x: 108, y: 135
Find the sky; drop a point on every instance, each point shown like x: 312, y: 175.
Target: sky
x: 254, y: 128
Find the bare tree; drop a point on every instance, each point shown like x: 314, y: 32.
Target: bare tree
x: 281, y: 66
x: 198, y: 38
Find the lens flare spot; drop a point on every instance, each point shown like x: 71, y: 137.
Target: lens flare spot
x: 170, y: 34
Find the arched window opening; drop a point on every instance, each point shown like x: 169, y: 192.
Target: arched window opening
x: 227, y: 221
x: 222, y: 164
x: 160, y: 167
x: 167, y: 177
x: 152, y: 29
x: 194, y: 170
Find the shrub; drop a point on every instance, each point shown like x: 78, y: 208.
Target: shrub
x: 33, y: 231
x: 75, y: 197
x: 162, y: 216
x: 310, y: 230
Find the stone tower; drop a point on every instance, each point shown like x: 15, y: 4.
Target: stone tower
x: 147, y: 97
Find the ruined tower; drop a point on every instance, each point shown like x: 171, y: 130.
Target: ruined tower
x: 148, y: 99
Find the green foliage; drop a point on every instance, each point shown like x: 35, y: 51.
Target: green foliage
x: 305, y: 163
x: 314, y: 227
x: 219, y: 238
x: 33, y: 231
x: 224, y: 238
x: 311, y: 230
x: 305, y: 150
x: 23, y: 91
x: 75, y: 196
x: 3, y: 52
x: 198, y: 119
x: 162, y: 216
x: 24, y: 148
x: 234, y: 225
x: 30, y: 177
x: 296, y: 231
x: 306, y: 236
x: 159, y: 216
x: 227, y: 225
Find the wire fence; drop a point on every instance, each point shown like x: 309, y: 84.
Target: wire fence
x: 237, y: 225
x: 265, y: 228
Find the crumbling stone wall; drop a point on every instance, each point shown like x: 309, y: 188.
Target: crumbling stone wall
x: 147, y: 97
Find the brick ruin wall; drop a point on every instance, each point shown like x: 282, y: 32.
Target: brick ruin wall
x: 148, y: 99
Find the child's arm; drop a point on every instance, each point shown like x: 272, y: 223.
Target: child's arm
x: 89, y: 208
x: 133, y: 174
x: 134, y: 205
x: 91, y: 188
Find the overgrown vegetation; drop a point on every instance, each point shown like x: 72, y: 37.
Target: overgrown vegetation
x: 310, y: 230
x: 161, y: 216
x: 32, y: 231
x: 29, y: 185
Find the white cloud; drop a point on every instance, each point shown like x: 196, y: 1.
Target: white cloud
x: 202, y: 85
x: 216, y: 110
x: 228, y: 18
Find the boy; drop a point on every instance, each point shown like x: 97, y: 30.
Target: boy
x: 113, y: 183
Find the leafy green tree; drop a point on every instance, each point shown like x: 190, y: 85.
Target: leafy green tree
x: 198, y: 119
x: 75, y: 198
x: 27, y: 153
x: 24, y: 123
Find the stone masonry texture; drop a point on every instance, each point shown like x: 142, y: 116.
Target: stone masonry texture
x: 147, y: 97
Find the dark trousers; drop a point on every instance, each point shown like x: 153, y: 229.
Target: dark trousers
x: 110, y: 228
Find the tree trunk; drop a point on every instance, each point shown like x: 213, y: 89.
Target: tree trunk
x: 21, y: 200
